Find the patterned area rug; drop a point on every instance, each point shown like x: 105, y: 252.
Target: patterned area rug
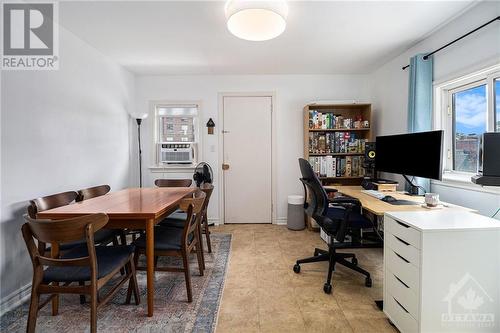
x: 172, y: 312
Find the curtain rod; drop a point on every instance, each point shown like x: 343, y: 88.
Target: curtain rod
x: 456, y: 40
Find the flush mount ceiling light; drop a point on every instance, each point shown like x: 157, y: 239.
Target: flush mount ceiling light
x: 256, y: 20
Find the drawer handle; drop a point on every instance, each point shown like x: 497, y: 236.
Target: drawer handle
x: 402, y: 241
x: 404, y: 284
x: 402, y: 307
x: 402, y: 224
x: 407, y: 261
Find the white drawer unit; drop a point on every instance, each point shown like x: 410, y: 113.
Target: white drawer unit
x: 404, y: 232
x: 402, y: 268
x: 442, y: 271
x: 399, y: 315
x: 404, y: 249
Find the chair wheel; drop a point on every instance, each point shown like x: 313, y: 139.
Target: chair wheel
x: 368, y: 282
x: 296, y: 268
x: 354, y: 261
x: 327, y: 288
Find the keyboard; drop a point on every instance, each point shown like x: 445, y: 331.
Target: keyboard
x: 373, y: 193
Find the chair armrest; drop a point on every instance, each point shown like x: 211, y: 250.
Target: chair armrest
x: 345, y: 202
x: 330, y: 190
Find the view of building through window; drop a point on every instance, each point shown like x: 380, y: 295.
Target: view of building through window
x: 469, y: 115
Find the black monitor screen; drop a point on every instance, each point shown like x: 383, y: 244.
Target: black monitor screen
x: 415, y: 154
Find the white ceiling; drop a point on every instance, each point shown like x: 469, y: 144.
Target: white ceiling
x: 187, y: 37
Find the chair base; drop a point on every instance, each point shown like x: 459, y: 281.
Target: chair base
x: 333, y: 258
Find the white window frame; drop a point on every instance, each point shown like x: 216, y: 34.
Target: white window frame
x: 198, y: 135
x: 443, y: 115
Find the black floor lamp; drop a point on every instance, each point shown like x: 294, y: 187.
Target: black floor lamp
x: 138, y: 120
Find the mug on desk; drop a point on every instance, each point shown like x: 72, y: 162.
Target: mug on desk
x: 432, y: 199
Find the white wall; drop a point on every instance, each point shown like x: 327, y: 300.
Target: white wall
x: 61, y: 130
x: 292, y: 93
x: 390, y: 84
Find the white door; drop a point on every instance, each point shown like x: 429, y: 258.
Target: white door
x: 247, y: 157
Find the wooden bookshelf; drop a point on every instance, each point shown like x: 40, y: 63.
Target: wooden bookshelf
x: 346, y: 111
x: 338, y: 129
x: 336, y: 154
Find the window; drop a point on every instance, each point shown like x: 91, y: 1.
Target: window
x: 176, y: 133
x: 467, y: 108
x: 469, y: 113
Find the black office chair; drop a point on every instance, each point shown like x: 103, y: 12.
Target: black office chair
x: 335, y: 217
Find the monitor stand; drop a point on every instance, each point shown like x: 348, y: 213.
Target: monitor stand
x: 413, y: 188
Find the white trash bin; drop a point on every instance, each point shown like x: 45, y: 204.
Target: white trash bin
x: 295, y: 217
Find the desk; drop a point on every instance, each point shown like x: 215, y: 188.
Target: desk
x: 378, y: 207
x: 133, y: 208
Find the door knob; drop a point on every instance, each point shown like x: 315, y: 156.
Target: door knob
x: 225, y: 166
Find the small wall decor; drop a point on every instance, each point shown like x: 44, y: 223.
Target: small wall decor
x: 210, y: 126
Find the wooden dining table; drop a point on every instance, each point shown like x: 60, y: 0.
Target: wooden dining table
x: 132, y: 208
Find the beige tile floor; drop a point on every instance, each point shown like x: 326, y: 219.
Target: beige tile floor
x: 263, y: 294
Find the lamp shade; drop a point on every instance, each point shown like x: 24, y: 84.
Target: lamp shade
x: 256, y: 20
x: 138, y: 115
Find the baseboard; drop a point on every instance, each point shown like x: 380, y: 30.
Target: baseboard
x: 280, y: 221
x: 15, y: 299
x: 212, y: 220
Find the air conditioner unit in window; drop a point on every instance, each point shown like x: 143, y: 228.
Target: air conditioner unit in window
x: 176, y: 153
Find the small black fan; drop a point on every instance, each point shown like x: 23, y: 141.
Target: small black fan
x: 203, y: 174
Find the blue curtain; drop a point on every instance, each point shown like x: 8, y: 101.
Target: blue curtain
x: 420, y: 100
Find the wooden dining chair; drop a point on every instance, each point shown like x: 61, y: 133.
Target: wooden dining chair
x: 50, y: 201
x: 173, y: 182
x: 176, y: 242
x: 208, y: 189
x: 104, y: 236
x: 179, y: 214
x: 92, y: 192
x: 91, y: 266
x: 177, y: 219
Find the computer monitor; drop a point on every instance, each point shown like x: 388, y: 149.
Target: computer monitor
x: 414, y: 154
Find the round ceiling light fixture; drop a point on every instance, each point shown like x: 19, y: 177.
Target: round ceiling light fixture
x: 256, y: 20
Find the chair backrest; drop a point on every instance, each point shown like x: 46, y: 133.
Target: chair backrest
x: 193, y: 206
x: 173, y: 182
x: 62, y: 231
x: 208, y: 189
x: 92, y: 192
x: 318, y: 203
x: 50, y: 201
x: 316, y: 199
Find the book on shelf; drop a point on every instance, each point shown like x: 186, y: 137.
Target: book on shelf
x: 337, y: 142
x: 329, y: 166
x: 328, y: 120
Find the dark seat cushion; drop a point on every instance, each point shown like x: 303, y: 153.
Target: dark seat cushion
x: 176, y: 219
x: 101, y: 236
x: 356, y: 220
x: 108, y: 259
x: 175, y: 223
x: 178, y: 215
x: 166, y: 238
